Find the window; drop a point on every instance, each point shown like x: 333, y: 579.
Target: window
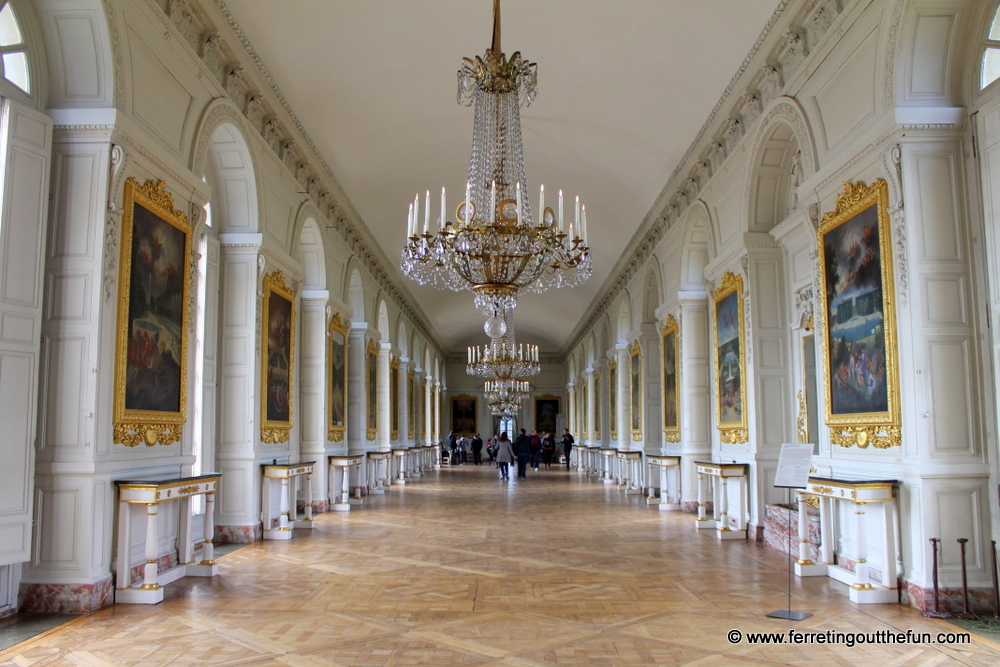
x: 991, y: 53
x: 13, y: 50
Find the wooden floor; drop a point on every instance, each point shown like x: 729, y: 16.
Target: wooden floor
x: 461, y: 568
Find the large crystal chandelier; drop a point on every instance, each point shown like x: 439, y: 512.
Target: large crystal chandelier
x: 495, y: 247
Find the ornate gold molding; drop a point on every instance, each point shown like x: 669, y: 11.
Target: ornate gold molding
x: 731, y: 432
x: 802, y: 421
x: 132, y: 434
x: 272, y: 436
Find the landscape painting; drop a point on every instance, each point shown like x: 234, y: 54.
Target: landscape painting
x: 730, y: 371
x: 858, y: 319
x: 152, y: 335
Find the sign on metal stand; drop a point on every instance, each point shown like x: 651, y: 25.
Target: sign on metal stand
x: 792, y: 473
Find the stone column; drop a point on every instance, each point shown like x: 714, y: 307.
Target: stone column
x: 314, y: 391
x: 696, y: 399
x: 384, y: 416
x: 571, y: 413
x: 238, y: 508
x: 437, y: 412
x: 357, y: 404
x: 405, y: 442
x: 588, y: 406
x: 418, y: 414
x: 624, y: 397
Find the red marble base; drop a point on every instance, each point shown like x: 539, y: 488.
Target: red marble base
x: 951, y: 599
x: 66, y: 598
x: 691, y: 506
x: 163, y: 563
x: 238, y: 534
x: 781, y: 531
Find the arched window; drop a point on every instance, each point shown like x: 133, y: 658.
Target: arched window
x: 13, y: 50
x: 991, y: 53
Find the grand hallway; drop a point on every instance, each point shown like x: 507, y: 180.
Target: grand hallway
x: 462, y: 569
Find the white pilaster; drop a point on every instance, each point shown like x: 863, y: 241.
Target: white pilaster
x: 313, y: 387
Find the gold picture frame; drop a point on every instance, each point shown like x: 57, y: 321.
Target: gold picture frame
x: 595, y: 392
x: 635, y: 389
x: 337, y: 378
x: 582, y: 402
x: 371, y: 381
x: 151, y: 341
x: 464, y: 415
x: 277, y: 359
x: 670, y: 390
x: 730, y: 361
x: 394, y: 398
x: 858, y: 319
x: 613, y: 399
x: 546, y: 413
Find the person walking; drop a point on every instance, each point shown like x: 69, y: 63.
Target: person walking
x: 491, y: 448
x: 477, y: 450
x: 504, y: 455
x: 452, y: 448
x: 536, y: 450
x: 567, y: 443
x: 548, y: 449
x: 522, y: 448
x: 463, y: 450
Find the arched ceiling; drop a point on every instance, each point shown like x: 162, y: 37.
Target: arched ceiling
x: 623, y: 89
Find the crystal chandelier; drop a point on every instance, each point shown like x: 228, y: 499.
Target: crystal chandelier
x: 495, y: 247
x: 503, y: 358
x: 504, y: 396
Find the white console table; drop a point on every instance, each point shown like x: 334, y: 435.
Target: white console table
x: 609, y: 456
x: 286, y: 476
x: 379, y: 474
x: 630, y: 471
x: 342, y: 501
x: 589, y: 458
x: 722, y: 473
x: 400, y: 456
x: 669, y: 468
x: 859, y: 493
x: 152, y: 493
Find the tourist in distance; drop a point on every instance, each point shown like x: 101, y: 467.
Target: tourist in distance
x: 491, y: 449
x: 548, y: 449
x: 463, y: 450
x: 504, y: 455
x: 452, y: 448
x: 522, y: 448
x: 477, y: 450
x: 536, y: 450
x: 567, y: 443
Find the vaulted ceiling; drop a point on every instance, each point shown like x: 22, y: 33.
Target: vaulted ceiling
x: 623, y: 89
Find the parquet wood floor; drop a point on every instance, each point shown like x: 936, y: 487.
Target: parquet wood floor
x: 461, y: 568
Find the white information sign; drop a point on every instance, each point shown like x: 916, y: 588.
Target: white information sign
x: 793, y: 465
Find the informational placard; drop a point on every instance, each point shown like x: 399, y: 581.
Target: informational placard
x: 793, y: 465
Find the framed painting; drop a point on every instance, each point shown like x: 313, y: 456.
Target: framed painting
x: 669, y: 385
x: 546, y: 412
x: 857, y: 320
x: 582, y: 402
x: 730, y: 365
x: 463, y: 415
x: 337, y: 360
x: 635, y: 388
x: 277, y: 359
x: 411, y: 404
x: 394, y: 398
x: 371, y: 388
x: 151, y: 342
x: 613, y: 399
x: 595, y: 391
x: 422, y: 411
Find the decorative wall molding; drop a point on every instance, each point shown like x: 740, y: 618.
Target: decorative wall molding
x: 818, y: 17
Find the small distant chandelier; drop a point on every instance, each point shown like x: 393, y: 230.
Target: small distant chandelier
x: 495, y: 247
x: 503, y: 358
x: 505, y: 396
